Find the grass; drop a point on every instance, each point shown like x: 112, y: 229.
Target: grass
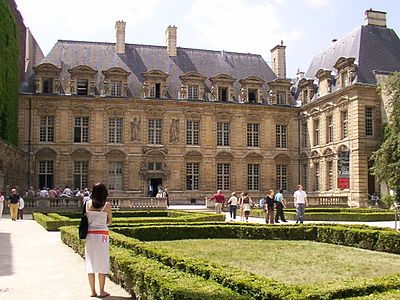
x: 293, y: 262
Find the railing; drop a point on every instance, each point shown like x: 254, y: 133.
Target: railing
x: 70, y: 204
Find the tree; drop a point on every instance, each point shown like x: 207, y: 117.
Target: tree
x: 386, y: 159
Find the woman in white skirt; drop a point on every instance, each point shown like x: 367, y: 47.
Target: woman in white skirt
x: 97, y: 254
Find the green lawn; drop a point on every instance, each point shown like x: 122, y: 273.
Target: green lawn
x: 300, y: 262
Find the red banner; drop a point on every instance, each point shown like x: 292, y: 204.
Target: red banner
x: 343, y: 183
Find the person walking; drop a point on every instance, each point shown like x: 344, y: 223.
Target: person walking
x: 21, y: 208
x: 1, y: 204
x: 13, y: 204
x: 246, y: 203
x: 280, y: 204
x: 270, y: 207
x: 300, y: 202
x: 241, y: 211
x: 233, y: 203
x: 97, y: 255
x: 219, y: 199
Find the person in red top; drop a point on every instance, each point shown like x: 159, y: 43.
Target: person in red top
x: 219, y: 199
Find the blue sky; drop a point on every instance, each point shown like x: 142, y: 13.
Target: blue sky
x: 250, y: 26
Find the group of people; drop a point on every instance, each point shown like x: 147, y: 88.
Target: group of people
x: 15, y: 203
x: 271, y: 203
x: 57, y: 192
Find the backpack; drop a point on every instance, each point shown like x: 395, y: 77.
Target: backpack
x: 262, y: 202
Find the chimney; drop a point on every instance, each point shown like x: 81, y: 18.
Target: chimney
x: 375, y: 18
x: 170, y: 40
x: 120, y: 37
x: 278, y: 58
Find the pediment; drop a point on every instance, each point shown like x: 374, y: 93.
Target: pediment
x: 323, y: 73
x: 315, y: 154
x: 116, y: 71
x: 81, y: 152
x: 282, y: 157
x: 254, y: 156
x: 252, y: 80
x: 314, y: 111
x: 303, y: 156
x: 82, y: 69
x: 193, y: 114
x: 193, y: 75
x: 81, y: 109
x: 154, y: 151
x: 343, y: 62
x: 328, y: 106
x: 343, y: 148
x: 306, y: 82
x: 155, y: 74
x: 115, y: 111
x: 328, y: 152
x: 115, y: 153
x: 224, y: 155
x: 222, y: 78
x: 280, y: 82
x: 46, y: 109
x: 47, y: 68
x: 46, y: 152
x: 193, y: 154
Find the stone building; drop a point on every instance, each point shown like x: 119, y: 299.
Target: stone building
x: 194, y: 120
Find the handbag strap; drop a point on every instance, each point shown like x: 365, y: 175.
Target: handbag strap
x: 84, y: 208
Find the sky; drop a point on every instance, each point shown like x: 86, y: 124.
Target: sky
x: 249, y: 26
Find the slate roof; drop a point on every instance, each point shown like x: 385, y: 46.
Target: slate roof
x: 374, y: 48
x: 141, y: 58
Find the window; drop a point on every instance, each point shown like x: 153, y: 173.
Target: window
x: 115, y: 130
x: 222, y: 93
x: 192, y: 132
x: 345, y: 124
x: 252, y: 95
x: 329, y: 129
x: 82, y: 86
x: 116, y: 88
x: 316, y: 178
x: 81, y: 130
x: 305, y: 96
x: 305, y: 135
x: 193, y: 92
x: 330, y: 175
x: 115, y: 175
x: 304, y: 176
x: 81, y: 170
x: 46, y: 131
x: 281, y: 99
x: 223, y: 133
x: 253, y: 134
x: 155, y: 90
x: 281, y: 177
x: 316, y: 132
x: 369, y: 128
x: 46, y: 173
x: 192, y: 176
x: 223, y: 176
x: 154, y: 166
x: 47, y: 85
x: 154, y: 131
x: 281, y: 136
x: 253, y: 177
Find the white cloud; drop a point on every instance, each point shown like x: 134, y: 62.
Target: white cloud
x: 238, y: 25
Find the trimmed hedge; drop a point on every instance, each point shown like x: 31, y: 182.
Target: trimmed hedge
x: 150, y: 279
x: 53, y: 221
x: 335, y: 215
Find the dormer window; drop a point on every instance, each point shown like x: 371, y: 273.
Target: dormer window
x: 346, y: 68
x: 252, y: 95
x: 47, y: 85
x: 223, y: 94
x: 193, y: 92
x: 281, y: 98
x: 116, y: 88
x: 155, y: 90
x: 82, y: 87
x: 345, y: 79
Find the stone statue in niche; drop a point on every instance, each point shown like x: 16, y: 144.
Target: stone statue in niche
x: 243, y: 95
x: 174, y: 131
x: 183, y: 92
x: 37, y: 85
x: 213, y: 93
x: 72, y: 85
x: 135, y: 129
x: 145, y: 89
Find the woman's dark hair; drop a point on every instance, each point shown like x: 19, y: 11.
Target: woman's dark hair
x: 99, y: 195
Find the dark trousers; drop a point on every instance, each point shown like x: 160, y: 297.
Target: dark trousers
x: 279, y: 212
x: 20, y: 214
x: 232, y: 210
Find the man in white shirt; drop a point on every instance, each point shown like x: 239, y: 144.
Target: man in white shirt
x: 300, y: 201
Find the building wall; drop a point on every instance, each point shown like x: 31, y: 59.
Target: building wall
x: 173, y: 153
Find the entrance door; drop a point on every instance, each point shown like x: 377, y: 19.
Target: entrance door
x: 371, y: 180
x: 154, y: 183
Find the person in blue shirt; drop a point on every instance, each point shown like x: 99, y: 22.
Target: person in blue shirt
x: 280, y: 204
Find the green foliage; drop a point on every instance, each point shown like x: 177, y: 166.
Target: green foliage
x: 387, y: 200
x: 387, y: 158
x: 9, y: 79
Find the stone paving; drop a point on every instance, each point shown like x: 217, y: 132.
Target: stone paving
x: 36, y: 265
